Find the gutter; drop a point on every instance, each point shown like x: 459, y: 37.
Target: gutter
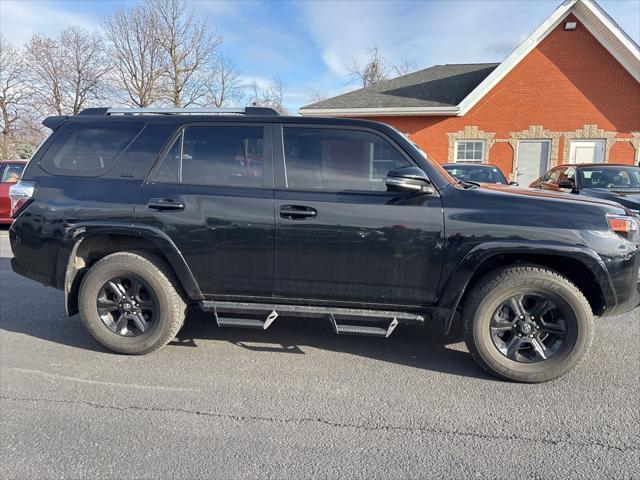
x: 380, y: 112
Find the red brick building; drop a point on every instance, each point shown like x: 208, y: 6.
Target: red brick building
x: 569, y: 93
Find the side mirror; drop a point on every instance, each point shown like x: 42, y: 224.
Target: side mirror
x: 409, y: 179
x: 567, y: 184
x: 514, y: 184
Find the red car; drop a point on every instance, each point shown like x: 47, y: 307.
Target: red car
x: 10, y: 173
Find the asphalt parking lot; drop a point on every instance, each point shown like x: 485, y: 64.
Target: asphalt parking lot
x: 296, y: 401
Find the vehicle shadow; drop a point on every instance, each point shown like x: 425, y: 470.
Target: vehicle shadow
x: 44, y: 318
x: 408, y: 345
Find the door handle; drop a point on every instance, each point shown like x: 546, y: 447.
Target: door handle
x: 297, y: 212
x: 165, y: 204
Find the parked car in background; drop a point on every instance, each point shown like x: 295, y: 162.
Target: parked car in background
x: 10, y: 173
x: 619, y: 183
x: 474, y: 172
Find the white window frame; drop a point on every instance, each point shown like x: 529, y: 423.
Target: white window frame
x: 470, y: 140
x: 576, y: 141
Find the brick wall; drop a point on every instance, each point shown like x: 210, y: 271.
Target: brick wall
x: 570, y: 80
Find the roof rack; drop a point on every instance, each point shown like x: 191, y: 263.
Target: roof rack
x: 181, y: 111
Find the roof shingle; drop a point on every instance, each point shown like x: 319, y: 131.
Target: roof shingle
x: 437, y: 86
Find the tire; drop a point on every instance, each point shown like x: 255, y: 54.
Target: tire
x: 157, y: 283
x: 499, y: 340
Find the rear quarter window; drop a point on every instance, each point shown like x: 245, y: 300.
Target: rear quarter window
x: 88, y: 150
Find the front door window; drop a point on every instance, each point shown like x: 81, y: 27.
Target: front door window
x: 338, y: 160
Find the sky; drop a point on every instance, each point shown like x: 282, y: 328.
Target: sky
x: 309, y: 43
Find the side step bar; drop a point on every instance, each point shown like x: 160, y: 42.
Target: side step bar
x: 363, y: 329
x: 224, y: 315
x: 245, y: 322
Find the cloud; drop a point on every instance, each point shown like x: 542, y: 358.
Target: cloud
x: 20, y: 19
x: 248, y: 80
x: 433, y: 32
x: 217, y: 8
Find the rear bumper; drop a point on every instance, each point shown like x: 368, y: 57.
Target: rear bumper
x: 36, y: 276
x: 35, y: 256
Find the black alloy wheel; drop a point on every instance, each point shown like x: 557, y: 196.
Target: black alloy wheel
x: 127, y: 306
x: 527, y: 323
x: 529, y: 327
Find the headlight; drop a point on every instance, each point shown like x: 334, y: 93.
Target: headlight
x: 624, y: 225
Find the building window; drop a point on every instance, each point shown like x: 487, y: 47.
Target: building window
x: 470, y: 151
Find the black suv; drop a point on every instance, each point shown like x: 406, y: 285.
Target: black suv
x: 136, y: 214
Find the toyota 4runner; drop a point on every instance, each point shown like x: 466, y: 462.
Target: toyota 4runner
x: 137, y: 213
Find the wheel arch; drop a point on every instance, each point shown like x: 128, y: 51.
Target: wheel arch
x: 583, y: 267
x: 90, y: 243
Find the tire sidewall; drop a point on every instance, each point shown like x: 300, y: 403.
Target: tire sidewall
x: 576, y: 342
x: 91, y: 284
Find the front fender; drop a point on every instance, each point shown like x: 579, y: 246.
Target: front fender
x: 82, y: 232
x: 455, y: 287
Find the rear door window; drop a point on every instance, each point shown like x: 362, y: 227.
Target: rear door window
x: 215, y: 155
x: 88, y: 150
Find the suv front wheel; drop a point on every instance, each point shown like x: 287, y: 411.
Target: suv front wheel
x: 129, y: 302
x: 527, y: 324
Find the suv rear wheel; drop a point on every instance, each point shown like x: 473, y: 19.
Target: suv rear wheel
x: 129, y: 303
x: 527, y: 324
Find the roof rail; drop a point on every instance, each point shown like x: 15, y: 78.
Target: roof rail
x: 94, y: 111
x: 186, y: 111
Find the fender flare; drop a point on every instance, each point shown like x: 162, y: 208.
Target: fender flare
x: 455, y: 287
x: 82, y: 231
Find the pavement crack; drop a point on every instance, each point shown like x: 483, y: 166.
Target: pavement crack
x: 322, y: 421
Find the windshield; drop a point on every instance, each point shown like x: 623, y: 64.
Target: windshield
x: 12, y: 172
x: 610, y: 177
x: 477, y: 173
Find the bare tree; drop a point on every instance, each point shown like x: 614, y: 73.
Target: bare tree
x: 373, y: 70
x: 46, y: 63
x: 86, y: 65
x: 136, y: 53
x: 67, y: 73
x: 189, y: 47
x: 224, y: 86
x: 376, y: 69
x: 271, y: 95
x: 403, y: 68
x: 317, y: 96
x: 13, y: 96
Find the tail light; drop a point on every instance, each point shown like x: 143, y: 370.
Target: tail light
x: 625, y: 226
x: 20, y: 193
